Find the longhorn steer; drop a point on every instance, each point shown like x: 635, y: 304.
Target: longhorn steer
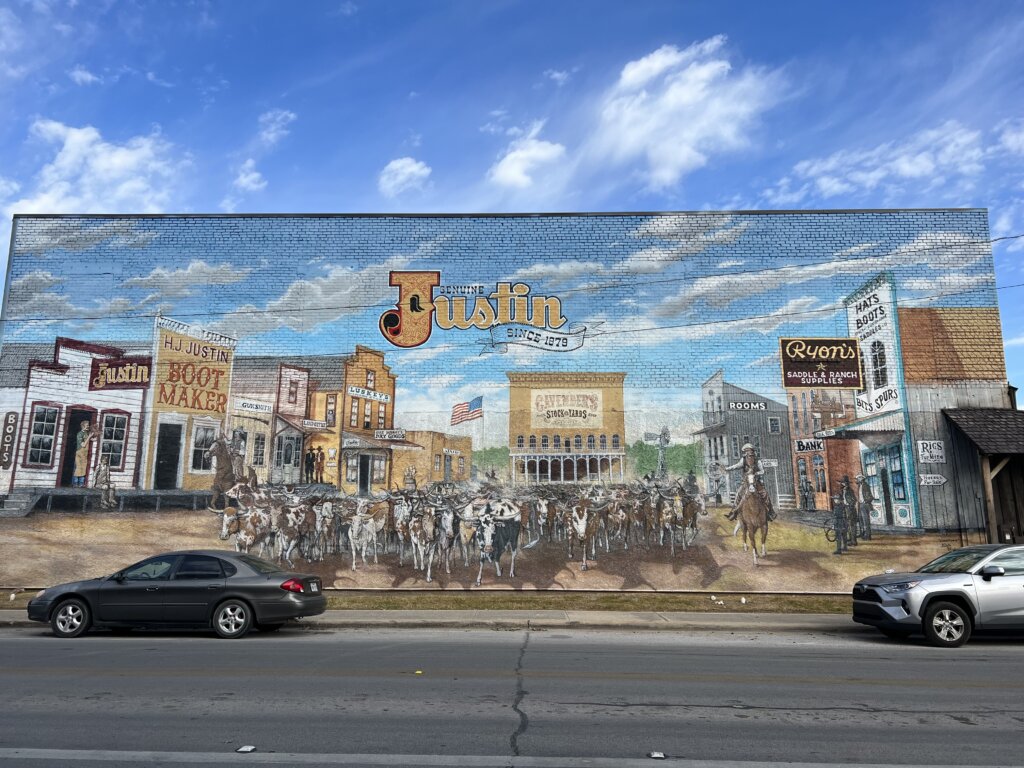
x: 494, y: 537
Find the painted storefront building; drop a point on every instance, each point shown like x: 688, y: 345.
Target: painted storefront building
x: 540, y: 359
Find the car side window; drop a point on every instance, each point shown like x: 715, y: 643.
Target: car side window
x: 1012, y: 562
x: 194, y: 567
x: 154, y: 568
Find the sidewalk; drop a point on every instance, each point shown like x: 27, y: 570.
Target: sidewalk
x: 620, y: 620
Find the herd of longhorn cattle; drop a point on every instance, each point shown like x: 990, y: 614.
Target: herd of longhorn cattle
x: 481, y: 521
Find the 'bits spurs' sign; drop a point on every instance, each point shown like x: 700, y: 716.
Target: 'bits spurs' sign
x: 821, y: 363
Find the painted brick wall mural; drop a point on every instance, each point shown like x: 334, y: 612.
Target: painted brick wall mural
x: 666, y: 401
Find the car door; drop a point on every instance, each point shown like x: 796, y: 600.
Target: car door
x: 1001, y: 598
x: 193, y: 589
x: 135, y: 594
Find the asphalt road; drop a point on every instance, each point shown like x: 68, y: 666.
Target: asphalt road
x: 523, y: 698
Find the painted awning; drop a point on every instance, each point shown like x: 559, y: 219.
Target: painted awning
x: 873, y: 431
x: 298, y: 426
x: 995, y: 431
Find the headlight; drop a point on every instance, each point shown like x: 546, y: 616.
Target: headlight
x: 902, y: 586
x: 39, y: 594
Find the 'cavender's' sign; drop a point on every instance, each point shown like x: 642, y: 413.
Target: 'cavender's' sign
x: 821, y: 363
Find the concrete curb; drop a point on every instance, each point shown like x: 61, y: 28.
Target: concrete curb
x: 549, y: 620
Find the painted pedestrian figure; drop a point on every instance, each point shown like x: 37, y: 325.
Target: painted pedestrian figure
x: 849, y: 501
x: 83, y: 441
x: 753, y: 482
x: 101, y: 482
x: 309, y: 464
x: 865, y: 504
x: 806, y: 495
x: 839, y: 525
x: 320, y: 460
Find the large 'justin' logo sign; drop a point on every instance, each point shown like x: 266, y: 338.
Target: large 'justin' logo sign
x: 510, y: 313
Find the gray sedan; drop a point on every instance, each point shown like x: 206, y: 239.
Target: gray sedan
x: 231, y: 592
x: 973, y: 588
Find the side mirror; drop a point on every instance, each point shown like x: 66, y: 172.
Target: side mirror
x: 992, y: 570
x: 118, y: 577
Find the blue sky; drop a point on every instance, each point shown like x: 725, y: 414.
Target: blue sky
x: 350, y: 106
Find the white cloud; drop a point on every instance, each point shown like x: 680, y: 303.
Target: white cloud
x: 682, y: 236
x: 37, y: 236
x: 523, y: 158
x: 672, y: 110
x: 348, y: 8
x: 557, y: 272
x: 248, y: 178
x: 947, y: 155
x: 90, y: 175
x: 81, y: 76
x: 152, y: 77
x: 178, y: 283
x: 1011, y: 136
x: 559, y: 77
x: 401, y: 175
x: 274, y: 125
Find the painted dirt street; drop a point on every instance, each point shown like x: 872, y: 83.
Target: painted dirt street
x: 758, y: 401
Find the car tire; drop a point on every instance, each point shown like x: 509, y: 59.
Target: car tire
x: 71, y: 618
x: 232, y: 619
x: 269, y: 627
x: 947, y: 625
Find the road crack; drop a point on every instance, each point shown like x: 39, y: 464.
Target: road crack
x: 524, y: 721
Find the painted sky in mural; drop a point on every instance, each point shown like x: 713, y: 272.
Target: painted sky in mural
x: 687, y: 299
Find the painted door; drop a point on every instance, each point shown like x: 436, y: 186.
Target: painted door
x: 365, y: 473
x: 72, y: 426
x: 288, y: 459
x: 168, y: 455
x: 447, y: 468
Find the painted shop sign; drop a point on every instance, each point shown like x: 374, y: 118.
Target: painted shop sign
x: 7, y: 439
x: 511, y: 314
x: 193, y: 369
x: 870, y: 318
x: 253, y: 406
x: 931, y: 451
x: 825, y: 363
x: 389, y: 434
x: 452, y: 452
x: 808, y: 446
x: 879, y: 400
x: 557, y: 408
x: 123, y: 373
x: 933, y: 480
x: 747, y: 406
x: 369, y: 394
x: 314, y: 424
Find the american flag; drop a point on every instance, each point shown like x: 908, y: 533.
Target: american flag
x: 474, y: 409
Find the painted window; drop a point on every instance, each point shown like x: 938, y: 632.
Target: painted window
x: 591, y: 443
x: 820, y: 484
x: 332, y: 407
x: 544, y: 442
x: 353, y: 419
x: 735, y: 446
x: 520, y: 441
x: 558, y: 442
x: 202, y: 439
x: 378, y: 469
x: 806, y: 415
x: 578, y: 442
x: 615, y: 441
x: 351, y: 469
x: 437, y: 462
x: 878, y: 364
x: 533, y: 442
x: 462, y: 465
x: 382, y: 419
x: 603, y: 442
x: 774, y: 425
x: 896, y: 477
x: 44, y: 428
x: 801, y: 469
x: 757, y: 444
x: 371, y: 379
x: 746, y: 440
x: 367, y: 415
x: 293, y: 391
x: 259, y: 449
x: 115, y: 435
x: 566, y: 443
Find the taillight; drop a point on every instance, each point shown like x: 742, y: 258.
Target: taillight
x: 293, y: 585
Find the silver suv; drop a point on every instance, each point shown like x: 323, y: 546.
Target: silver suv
x: 978, y: 587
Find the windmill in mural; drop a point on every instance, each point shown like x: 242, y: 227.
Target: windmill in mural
x: 662, y: 440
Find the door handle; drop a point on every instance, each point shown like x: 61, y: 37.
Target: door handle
x: 213, y: 586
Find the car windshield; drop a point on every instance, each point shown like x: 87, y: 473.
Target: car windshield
x: 957, y: 561
x: 259, y: 565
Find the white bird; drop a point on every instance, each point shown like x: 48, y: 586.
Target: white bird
x: 743, y: 601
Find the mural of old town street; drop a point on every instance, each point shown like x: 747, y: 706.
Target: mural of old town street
x: 678, y: 401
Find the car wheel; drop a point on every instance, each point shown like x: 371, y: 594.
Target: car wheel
x: 894, y: 634
x: 269, y: 627
x: 232, y: 619
x: 947, y: 625
x: 71, y: 618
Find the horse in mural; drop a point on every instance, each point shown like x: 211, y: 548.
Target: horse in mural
x: 229, y: 470
x: 754, y: 518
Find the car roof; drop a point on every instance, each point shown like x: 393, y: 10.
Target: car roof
x: 212, y: 552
